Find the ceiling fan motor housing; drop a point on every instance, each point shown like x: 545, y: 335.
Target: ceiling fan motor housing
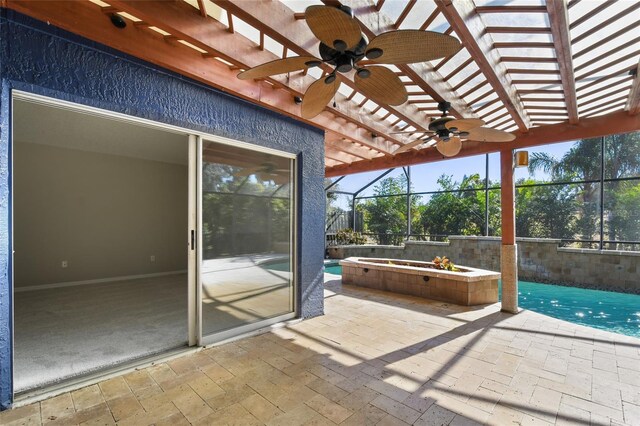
x: 438, y: 126
x: 338, y: 58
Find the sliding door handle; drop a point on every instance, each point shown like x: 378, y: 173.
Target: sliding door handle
x: 193, y: 239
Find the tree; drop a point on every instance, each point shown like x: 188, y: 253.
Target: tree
x: 545, y: 211
x: 582, y: 162
x: 459, y: 209
x: 385, y: 215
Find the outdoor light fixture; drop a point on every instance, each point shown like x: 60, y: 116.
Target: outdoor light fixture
x: 521, y: 158
x: 118, y: 21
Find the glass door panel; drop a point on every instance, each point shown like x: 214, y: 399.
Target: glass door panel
x: 247, y: 210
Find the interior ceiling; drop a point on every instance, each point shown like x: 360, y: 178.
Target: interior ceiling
x: 547, y: 72
x: 63, y: 128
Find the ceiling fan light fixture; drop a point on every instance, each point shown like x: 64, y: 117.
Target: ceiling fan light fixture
x: 344, y: 64
x: 363, y: 73
x: 374, y: 53
x: 340, y: 45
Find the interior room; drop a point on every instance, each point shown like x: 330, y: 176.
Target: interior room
x: 100, y: 242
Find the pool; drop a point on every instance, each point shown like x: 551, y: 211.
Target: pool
x: 616, y: 312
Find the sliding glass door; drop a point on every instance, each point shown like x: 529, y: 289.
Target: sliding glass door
x: 247, y: 241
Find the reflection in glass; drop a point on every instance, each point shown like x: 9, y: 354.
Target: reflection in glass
x: 247, y: 200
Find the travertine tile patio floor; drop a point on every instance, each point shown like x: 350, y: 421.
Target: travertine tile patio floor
x: 377, y: 358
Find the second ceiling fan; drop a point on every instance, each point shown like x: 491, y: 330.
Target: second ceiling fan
x: 447, y: 133
x: 343, y: 46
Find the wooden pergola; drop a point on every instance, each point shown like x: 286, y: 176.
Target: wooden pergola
x: 547, y: 71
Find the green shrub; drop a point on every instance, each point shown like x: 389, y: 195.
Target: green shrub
x: 349, y: 236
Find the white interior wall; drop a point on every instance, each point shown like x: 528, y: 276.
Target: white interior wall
x: 102, y: 195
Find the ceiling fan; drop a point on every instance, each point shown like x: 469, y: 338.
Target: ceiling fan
x: 266, y: 171
x: 447, y: 133
x: 342, y: 45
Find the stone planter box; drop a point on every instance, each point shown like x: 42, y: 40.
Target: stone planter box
x: 468, y: 287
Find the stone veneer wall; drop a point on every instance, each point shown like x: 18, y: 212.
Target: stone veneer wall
x: 539, y: 260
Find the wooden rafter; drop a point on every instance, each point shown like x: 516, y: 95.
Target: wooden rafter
x: 86, y: 19
x: 276, y: 20
x: 422, y: 74
x: 559, y: 21
x: 202, y: 8
x: 536, y: 136
x: 404, y: 13
x: 349, y: 129
x: 511, y: 9
x: 468, y: 26
x: 179, y: 18
x: 633, y: 103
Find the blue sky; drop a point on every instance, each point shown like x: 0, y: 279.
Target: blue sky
x: 424, y: 176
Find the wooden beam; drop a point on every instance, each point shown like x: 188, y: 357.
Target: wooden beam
x: 404, y: 13
x: 613, y: 106
x: 532, y: 71
x: 530, y: 59
x: 350, y: 148
x: 334, y: 154
x: 469, y: 27
x: 203, y: 8
x: 604, y: 78
x: 606, y: 54
x: 85, y: 19
x: 606, y: 95
x: 588, y: 49
x: 468, y: 79
x: 423, y: 73
x: 604, y: 125
x: 511, y: 9
x: 616, y: 61
x: 625, y: 14
x: 179, y: 18
x: 633, y: 104
x: 429, y: 20
x: 592, y: 13
x: 559, y: 22
x: 537, y: 81
x: 522, y: 45
x: 276, y: 20
x: 518, y: 30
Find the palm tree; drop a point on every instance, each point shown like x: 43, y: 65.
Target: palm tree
x: 582, y: 163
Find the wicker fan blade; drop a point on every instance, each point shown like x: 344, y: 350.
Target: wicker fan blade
x: 410, y: 145
x: 449, y: 148
x: 248, y: 171
x: 279, y: 66
x: 485, y: 134
x: 280, y: 179
x: 410, y: 46
x: 382, y: 86
x: 333, y: 27
x: 409, y: 132
x: 318, y: 96
x: 464, y: 125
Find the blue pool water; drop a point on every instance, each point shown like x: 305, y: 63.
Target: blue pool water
x: 617, y: 312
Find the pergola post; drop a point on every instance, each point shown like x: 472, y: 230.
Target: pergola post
x: 509, y: 253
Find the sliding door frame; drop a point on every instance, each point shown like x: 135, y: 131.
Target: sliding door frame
x: 195, y: 139
x: 254, y: 327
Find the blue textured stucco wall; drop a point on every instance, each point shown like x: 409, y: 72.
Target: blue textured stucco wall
x: 42, y: 59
